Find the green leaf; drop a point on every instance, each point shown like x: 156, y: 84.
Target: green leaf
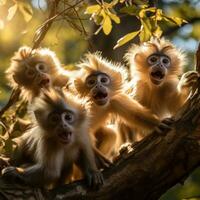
x: 92, y: 9
x: 11, y: 12
x: 126, y: 39
x: 130, y: 10
x: 107, y: 25
x: 26, y: 11
x: 115, y: 18
x: 2, y: 2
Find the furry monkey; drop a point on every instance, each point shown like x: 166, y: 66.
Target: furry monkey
x: 58, y: 139
x: 32, y: 70
x: 102, y: 83
x: 155, y: 69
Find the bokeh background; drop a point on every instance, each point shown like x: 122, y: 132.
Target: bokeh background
x: 70, y: 45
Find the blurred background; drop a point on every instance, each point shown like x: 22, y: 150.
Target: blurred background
x: 71, y: 42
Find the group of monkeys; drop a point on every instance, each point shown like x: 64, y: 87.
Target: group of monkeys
x: 79, y: 115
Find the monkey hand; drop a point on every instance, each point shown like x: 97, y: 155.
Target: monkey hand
x: 164, y: 125
x: 187, y: 80
x: 12, y: 174
x: 94, y: 179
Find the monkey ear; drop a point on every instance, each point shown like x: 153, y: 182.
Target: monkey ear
x: 137, y: 57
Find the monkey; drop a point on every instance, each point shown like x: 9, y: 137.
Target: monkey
x: 32, y: 70
x: 101, y: 82
x: 58, y: 139
x: 155, y: 68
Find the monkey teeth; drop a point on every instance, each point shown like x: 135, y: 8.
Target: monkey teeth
x: 65, y: 136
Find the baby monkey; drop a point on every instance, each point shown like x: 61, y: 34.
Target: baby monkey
x: 58, y: 139
x: 32, y: 70
x: 102, y: 83
x: 155, y: 69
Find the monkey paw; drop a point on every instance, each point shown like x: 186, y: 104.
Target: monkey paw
x: 94, y: 179
x: 164, y: 125
x: 188, y: 79
x: 11, y: 174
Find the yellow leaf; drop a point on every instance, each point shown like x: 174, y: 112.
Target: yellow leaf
x: 2, y: 2
x: 115, y: 18
x: 126, y: 38
x: 1, y: 24
x: 26, y: 11
x: 145, y: 33
x: 107, y: 25
x: 11, y: 12
x: 175, y: 20
x: 178, y: 20
x: 92, y: 9
x: 159, y: 14
x: 158, y: 32
x: 113, y: 3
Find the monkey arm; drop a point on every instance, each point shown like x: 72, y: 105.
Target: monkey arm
x: 87, y: 164
x: 133, y: 113
x: 106, y: 140
x: 184, y: 87
x: 61, y: 80
x: 34, y: 175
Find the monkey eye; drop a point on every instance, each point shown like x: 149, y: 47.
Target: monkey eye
x: 68, y: 117
x: 90, y: 81
x: 165, y: 61
x: 153, y: 59
x: 54, y: 118
x: 104, y: 79
x: 41, y: 67
x: 30, y: 73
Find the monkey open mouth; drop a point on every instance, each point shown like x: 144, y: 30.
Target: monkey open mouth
x: 65, y: 136
x: 157, y: 77
x: 100, y: 97
x: 44, y: 82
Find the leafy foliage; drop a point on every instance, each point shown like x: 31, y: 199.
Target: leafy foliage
x: 150, y: 18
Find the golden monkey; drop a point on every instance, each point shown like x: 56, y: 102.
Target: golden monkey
x: 58, y: 139
x: 102, y: 83
x: 155, y: 69
x: 32, y: 70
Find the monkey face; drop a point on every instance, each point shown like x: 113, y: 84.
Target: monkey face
x: 159, y: 65
x: 61, y: 124
x: 33, y: 75
x: 98, y: 84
